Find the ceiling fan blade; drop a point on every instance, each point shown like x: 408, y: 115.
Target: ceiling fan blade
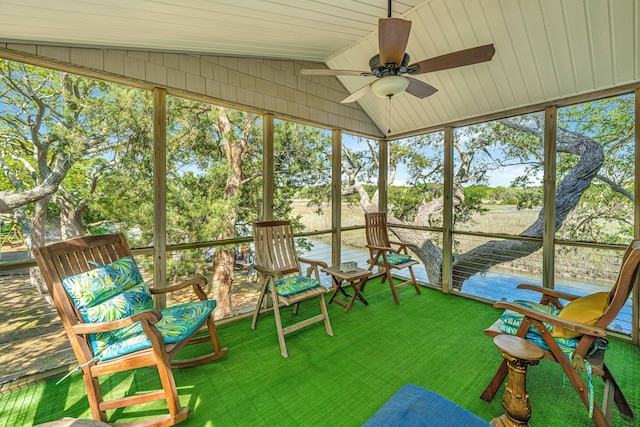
x: 323, y: 72
x: 393, y: 35
x: 460, y: 58
x: 357, y: 94
x: 420, y: 89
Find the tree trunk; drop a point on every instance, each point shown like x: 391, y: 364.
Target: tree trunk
x: 49, y: 185
x: 568, y: 194
x: 223, y: 276
x: 71, y: 222
x: 37, y: 240
x: 425, y: 250
x: 224, y: 259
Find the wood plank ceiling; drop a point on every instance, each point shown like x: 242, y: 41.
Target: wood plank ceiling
x: 545, y: 49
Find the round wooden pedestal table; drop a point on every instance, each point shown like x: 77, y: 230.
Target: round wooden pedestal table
x: 519, y: 354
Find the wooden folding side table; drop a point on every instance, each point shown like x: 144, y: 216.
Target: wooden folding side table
x: 356, y: 279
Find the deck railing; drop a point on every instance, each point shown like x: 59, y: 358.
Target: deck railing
x: 32, y: 340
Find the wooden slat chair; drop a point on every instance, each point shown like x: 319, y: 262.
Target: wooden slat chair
x: 571, y: 353
x: 282, y: 278
x: 107, y: 312
x: 384, y: 256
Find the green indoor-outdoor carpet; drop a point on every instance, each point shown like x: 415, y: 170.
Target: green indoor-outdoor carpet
x: 432, y: 340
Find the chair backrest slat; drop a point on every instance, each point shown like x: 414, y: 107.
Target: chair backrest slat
x: 63, y: 265
x: 275, y: 246
x: 628, y: 277
x: 376, y: 229
x: 72, y: 256
x: 60, y: 260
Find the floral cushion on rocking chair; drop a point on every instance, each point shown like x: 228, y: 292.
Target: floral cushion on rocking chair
x: 116, y: 291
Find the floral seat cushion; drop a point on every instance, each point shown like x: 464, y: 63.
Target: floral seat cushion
x: 116, y: 291
x: 177, y: 323
x: 291, y: 285
x: 109, y: 292
x: 394, y: 259
x: 511, y: 321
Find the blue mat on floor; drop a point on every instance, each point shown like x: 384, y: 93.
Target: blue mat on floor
x: 414, y: 406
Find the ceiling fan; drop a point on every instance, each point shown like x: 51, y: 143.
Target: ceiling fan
x: 392, y: 63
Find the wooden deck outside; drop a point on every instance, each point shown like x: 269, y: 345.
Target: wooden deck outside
x: 32, y: 339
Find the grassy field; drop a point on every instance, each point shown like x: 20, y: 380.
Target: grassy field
x: 499, y: 219
x: 596, y: 264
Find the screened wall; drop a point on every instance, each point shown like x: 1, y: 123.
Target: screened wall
x: 472, y: 197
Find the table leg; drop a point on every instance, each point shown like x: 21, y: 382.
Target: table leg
x: 358, y: 288
x: 356, y: 294
x: 344, y: 292
x: 338, y: 286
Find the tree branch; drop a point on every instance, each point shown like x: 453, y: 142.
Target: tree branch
x: 10, y: 201
x: 616, y: 187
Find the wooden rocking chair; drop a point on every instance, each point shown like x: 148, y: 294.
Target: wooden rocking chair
x: 282, y: 279
x: 585, y: 336
x: 383, y: 256
x: 108, y: 315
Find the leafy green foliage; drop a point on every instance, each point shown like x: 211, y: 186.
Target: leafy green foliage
x: 605, y: 211
x: 46, y: 116
x: 214, y: 162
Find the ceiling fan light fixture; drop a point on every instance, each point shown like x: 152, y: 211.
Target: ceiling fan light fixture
x: 389, y: 86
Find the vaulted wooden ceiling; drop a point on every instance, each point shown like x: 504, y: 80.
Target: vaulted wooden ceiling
x: 545, y: 49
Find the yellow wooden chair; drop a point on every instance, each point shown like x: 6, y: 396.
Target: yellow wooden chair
x: 282, y: 278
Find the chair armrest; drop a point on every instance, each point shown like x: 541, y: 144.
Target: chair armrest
x: 556, y: 321
x: 404, y: 245
x: 152, y: 316
x: 382, y: 248
x: 268, y: 271
x: 197, y: 284
x: 312, y: 262
x: 547, y: 291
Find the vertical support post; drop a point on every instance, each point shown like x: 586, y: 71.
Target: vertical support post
x: 635, y: 318
x: 268, y: 167
x: 383, y: 174
x: 160, y: 193
x: 336, y: 196
x: 549, y: 221
x: 447, y: 215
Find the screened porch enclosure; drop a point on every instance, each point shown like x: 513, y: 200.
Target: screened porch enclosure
x: 327, y: 192
x: 522, y: 169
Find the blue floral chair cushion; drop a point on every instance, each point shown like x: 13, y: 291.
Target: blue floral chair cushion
x: 109, y: 292
x: 177, y: 323
x: 291, y: 285
x: 133, y: 300
x: 511, y: 321
x: 394, y: 259
x: 116, y: 291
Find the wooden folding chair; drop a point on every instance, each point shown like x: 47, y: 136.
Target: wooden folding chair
x: 282, y: 278
x: 107, y: 312
x: 384, y: 256
x: 561, y: 350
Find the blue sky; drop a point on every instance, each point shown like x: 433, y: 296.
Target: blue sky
x: 502, y: 177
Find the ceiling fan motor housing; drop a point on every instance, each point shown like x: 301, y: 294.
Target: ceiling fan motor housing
x: 390, y: 69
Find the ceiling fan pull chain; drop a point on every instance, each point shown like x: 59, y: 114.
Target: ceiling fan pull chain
x: 389, y: 111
